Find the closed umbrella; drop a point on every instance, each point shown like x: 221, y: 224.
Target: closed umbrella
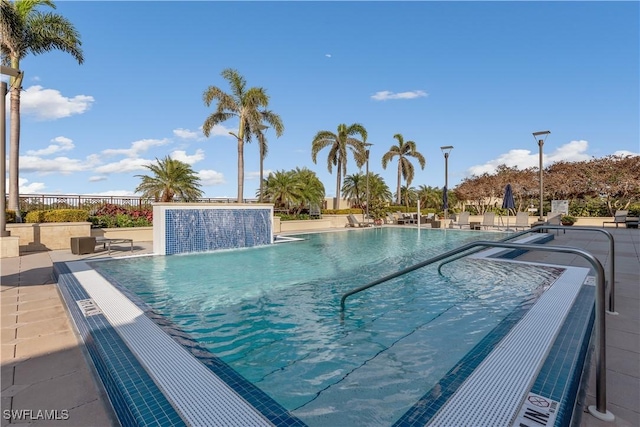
x: 508, y: 202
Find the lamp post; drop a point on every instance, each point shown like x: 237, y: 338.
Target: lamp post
x: 367, y: 176
x: 446, y: 150
x: 539, y: 137
x: 3, y: 148
x: 261, y: 128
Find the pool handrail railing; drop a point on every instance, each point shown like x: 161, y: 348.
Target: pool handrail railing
x: 612, y: 263
x: 600, y: 409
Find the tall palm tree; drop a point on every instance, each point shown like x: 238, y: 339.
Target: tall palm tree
x: 24, y: 29
x: 405, y: 169
x: 408, y: 195
x: 249, y: 106
x: 339, y: 143
x: 170, y: 178
x: 430, y: 197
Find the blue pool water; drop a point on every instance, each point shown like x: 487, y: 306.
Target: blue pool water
x: 272, y: 314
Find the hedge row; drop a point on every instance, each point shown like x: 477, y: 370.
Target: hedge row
x: 57, y: 215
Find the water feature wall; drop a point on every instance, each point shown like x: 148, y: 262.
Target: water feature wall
x: 198, y: 227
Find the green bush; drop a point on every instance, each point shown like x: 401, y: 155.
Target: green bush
x: 10, y: 216
x: 342, y: 211
x: 57, y: 215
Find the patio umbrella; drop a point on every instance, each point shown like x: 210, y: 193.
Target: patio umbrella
x: 508, y: 202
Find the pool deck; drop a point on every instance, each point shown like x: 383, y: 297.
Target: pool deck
x: 44, y: 367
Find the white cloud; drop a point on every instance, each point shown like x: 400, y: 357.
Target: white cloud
x: 124, y: 166
x: 574, y: 151
x: 182, y: 156
x: 115, y: 193
x: 61, y: 144
x: 256, y: 174
x: 97, y: 178
x: 137, y: 147
x: 50, y: 104
x: 63, y: 165
x: 219, y: 130
x: 625, y: 153
x: 328, y: 55
x: 32, y: 188
x: 386, y: 95
x: 187, y: 134
x: 210, y: 177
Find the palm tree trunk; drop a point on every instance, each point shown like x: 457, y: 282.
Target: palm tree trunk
x: 336, y: 202
x: 14, y: 153
x: 240, y: 171
x: 398, y: 199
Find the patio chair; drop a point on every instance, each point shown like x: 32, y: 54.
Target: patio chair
x: 353, y: 222
x: 553, y: 218
x: 620, y: 217
x: 522, y: 221
x: 391, y: 219
x: 488, y: 220
x: 463, y: 220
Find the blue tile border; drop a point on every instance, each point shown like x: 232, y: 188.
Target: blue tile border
x: 261, y: 401
x: 560, y: 376
x: 135, y: 398
x: 432, y: 401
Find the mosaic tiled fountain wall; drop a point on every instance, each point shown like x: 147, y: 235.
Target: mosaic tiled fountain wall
x: 198, y: 227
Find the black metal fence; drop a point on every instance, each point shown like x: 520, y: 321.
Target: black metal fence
x: 30, y: 202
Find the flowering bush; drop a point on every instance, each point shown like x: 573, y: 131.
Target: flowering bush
x: 114, y: 216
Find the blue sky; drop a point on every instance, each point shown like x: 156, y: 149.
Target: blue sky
x: 481, y: 76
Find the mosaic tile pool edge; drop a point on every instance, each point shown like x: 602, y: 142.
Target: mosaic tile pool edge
x: 131, y: 392
x: 267, y: 406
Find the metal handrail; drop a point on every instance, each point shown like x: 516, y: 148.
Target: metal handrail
x: 601, y: 383
x: 612, y: 264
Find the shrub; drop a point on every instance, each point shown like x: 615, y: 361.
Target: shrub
x: 342, y: 211
x: 114, y: 216
x: 57, y: 215
x: 10, y: 216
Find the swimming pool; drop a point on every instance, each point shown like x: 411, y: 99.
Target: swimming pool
x: 271, y: 313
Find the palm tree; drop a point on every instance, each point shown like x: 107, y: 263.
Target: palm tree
x: 405, y: 168
x: 430, y: 197
x: 282, y: 189
x: 311, y: 188
x: 245, y: 104
x: 339, y: 143
x: 408, y: 195
x: 171, y: 178
x: 24, y: 29
x: 354, y: 189
x: 378, y: 189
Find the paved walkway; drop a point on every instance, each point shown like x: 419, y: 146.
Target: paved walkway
x: 45, y: 368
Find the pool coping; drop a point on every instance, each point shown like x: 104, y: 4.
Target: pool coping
x: 98, y: 294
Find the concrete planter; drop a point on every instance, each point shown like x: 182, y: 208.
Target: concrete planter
x: 48, y: 236
x: 137, y: 234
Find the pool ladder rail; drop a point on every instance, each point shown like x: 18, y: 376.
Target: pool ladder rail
x: 600, y: 409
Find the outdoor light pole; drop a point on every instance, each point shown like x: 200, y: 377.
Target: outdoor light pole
x: 262, y: 128
x: 539, y: 137
x: 367, y: 176
x: 446, y: 150
x: 3, y: 147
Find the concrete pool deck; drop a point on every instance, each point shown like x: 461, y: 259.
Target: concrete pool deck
x: 44, y: 368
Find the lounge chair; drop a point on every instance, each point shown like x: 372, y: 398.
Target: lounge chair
x: 522, y: 221
x: 353, y: 222
x: 391, y: 219
x: 620, y: 217
x: 463, y: 220
x: 488, y: 220
x: 553, y: 218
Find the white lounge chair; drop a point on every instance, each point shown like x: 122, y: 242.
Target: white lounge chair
x: 488, y: 220
x: 522, y: 220
x: 353, y: 222
x: 463, y: 220
x: 620, y: 217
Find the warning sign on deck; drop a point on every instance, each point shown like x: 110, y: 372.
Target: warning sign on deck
x: 537, y: 411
